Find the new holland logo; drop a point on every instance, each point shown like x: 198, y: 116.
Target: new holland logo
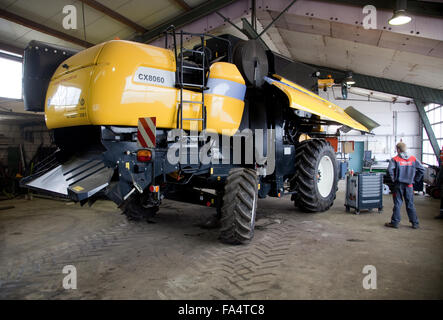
x: 146, y: 132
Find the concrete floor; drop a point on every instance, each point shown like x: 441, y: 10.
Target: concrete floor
x: 293, y: 255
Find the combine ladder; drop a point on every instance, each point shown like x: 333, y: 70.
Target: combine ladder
x: 199, y: 87
x: 191, y: 142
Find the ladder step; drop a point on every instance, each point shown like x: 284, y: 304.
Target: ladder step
x: 196, y: 102
x: 193, y: 68
x: 193, y: 51
x: 193, y: 85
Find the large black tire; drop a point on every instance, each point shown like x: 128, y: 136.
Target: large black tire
x: 239, y: 206
x: 313, y: 194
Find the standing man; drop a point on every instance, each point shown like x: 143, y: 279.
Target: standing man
x: 404, y: 171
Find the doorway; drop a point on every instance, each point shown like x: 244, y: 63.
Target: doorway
x: 356, y: 158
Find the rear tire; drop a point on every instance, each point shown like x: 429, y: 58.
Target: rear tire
x: 316, y: 177
x: 239, y: 206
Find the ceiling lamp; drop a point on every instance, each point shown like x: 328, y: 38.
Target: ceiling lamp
x: 400, y: 17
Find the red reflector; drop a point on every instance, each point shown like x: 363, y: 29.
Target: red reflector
x: 144, y: 155
x: 153, y: 188
x: 208, y: 204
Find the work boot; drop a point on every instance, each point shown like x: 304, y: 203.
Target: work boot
x: 415, y: 226
x: 391, y: 225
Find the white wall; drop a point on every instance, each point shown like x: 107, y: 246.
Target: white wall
x: 397, y: 121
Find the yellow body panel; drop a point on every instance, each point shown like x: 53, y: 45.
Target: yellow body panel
x: 303, y: 99
x: 227, y: 71
x: 103, y: 89
x: 66, y: 99
x: 82, y: 59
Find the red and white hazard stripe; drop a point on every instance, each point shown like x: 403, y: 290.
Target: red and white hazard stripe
x: 146, y: 132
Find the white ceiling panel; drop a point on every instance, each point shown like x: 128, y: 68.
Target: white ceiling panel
x: 357, y: 57
x: 101, y: 29
x: 11, y: 31
x: 355, y: 33
x: 114, y: 4
x: 122, y: 34
x: 160, y: 16
x: 305, y: 47
x: 39, y: 11
x: 139, y: 10
x: 417, y: 68
x: 365, y: 59
x: 437, y: 51
x: 302, y: 24
x: 402, y: 42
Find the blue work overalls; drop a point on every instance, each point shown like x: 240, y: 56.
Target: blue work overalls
x: 404, y: 171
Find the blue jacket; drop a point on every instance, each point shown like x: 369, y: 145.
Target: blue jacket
x: 405, y: 169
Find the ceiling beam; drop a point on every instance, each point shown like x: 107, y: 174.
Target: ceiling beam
x: 42, y: 28
x: 183, y: 4
x: 115, y: 15
x: 192, y: 15
x: 11, y: 48
x: 420, y: 105
x: 251, y: 33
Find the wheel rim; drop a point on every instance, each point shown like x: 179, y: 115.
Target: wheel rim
x: 325, y: 176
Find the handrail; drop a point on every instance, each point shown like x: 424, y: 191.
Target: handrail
x: 171, y: 31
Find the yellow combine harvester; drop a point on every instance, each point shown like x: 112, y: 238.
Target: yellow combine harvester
x: 139, y: 123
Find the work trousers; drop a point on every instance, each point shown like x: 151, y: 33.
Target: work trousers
x: 403, y: 191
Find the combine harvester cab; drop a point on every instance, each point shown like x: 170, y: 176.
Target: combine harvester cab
x: 132, y: 122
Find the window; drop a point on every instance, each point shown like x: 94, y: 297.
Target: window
x: 435, y: 116
x: 10, y: 79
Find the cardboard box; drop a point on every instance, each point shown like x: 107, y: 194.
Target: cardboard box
x: 347, y: 146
